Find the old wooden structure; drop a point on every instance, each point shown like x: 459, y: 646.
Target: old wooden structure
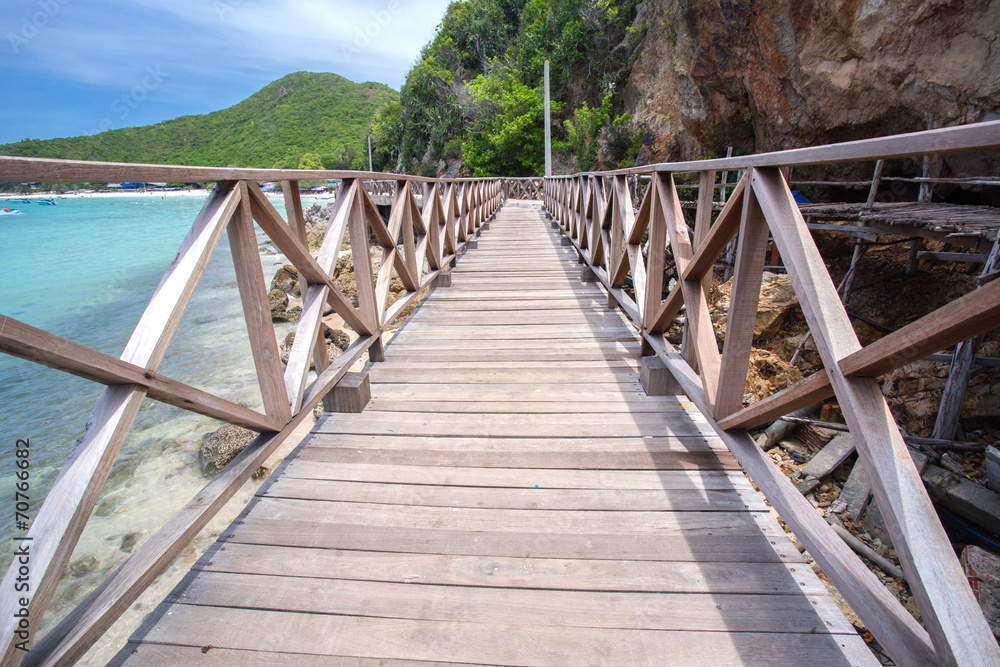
x: 519, y: 490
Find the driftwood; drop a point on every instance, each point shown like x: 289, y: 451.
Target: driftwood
x: 934, y: 443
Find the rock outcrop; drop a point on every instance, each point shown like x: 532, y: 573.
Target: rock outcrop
x: 767, y: 74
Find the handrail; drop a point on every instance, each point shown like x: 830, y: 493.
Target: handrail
x: 595, y: 210
x: 453, y: 211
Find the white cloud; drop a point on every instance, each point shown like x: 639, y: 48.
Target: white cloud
x: 108, y: 42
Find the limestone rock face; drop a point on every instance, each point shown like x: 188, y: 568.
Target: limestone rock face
x: 777, y: 299
x: 767, y: 74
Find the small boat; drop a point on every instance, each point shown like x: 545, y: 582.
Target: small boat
x: 9, y: 211
x: 47, y: 202
x: 19, y: 201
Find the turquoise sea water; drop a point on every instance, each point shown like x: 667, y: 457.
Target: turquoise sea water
x: 85, y: 269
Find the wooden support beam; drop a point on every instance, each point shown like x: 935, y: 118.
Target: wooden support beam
x: 802, y: 394
x: 90, y: 619
x: 702, y: 224
x: 298, y: 254
x: 966, y: 317
x: 955, y: 623
x: 63, y: 515
x: 703, y: 335
x: 352, y: 393
x: 27, y: 342
x: 743, y: 303
x: 726, y: 226
x: 297, y: 222
x: 257, y: 310
x: 900, y: 635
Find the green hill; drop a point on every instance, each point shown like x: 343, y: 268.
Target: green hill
x: 302, y: 113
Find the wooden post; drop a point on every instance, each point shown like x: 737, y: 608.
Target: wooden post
x: 946, y: 424
x: 352, y: 393
x: 442, y: 279
x: 876, y: 181
x: 257, y: 311
x: 656, y: 379
x: 548, y: 124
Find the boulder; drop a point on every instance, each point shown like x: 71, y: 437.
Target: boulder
x: 777, y: 300
x: 287, y: 280
x: 336, y: 342
x: 278, y: 301
x: 221, y: 446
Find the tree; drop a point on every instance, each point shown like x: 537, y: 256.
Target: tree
x: 506, y: 136
x: 311, y: 161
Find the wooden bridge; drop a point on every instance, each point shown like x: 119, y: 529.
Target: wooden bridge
x: 539, y: 477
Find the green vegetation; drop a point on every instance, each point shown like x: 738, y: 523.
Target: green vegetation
x: 317, y: 120
x: 475, y: 92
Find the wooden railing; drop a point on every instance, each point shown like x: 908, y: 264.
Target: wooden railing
x: 417, y: 244
x: 523, y: 188
x: 596, y: 211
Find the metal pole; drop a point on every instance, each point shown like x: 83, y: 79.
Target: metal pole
x: 370, y: 153
x: 548, y: 124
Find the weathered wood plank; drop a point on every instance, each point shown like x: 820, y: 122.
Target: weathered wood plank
x: 585, y: 609
x: 484, y: 642
x: 701, y: 500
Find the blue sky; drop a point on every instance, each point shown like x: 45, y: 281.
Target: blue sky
x: 72, y: 67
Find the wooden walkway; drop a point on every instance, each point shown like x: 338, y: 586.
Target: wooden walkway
x: 509, y: 497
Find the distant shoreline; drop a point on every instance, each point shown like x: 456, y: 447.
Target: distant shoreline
x: 152, y: 195
x: 88, y: 195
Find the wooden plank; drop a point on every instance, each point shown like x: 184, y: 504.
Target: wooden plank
x: 62, y: 516
x: 420, y: 443
x: 659, y: 611
x: 585, y: 548
x: 257, y: 311
x: 830, y: 457
x: 949, y: 610
x: 517, y: 521
x: 482, y: 642
x: 27, y: 342
x: 163, y: 655
x: 381, y: 404
x: 504, y: 375
x: 524, y: 428
x: 512, y: 478
x: 621, y: 459
x: 297, y: 221
x: 700, y: 500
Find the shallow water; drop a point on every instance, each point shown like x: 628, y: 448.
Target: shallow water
x: 85, y: 269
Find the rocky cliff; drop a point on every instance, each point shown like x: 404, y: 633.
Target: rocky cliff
x: 768, y: 74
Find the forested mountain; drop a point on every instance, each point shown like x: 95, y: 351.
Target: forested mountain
x: 303, y: 118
